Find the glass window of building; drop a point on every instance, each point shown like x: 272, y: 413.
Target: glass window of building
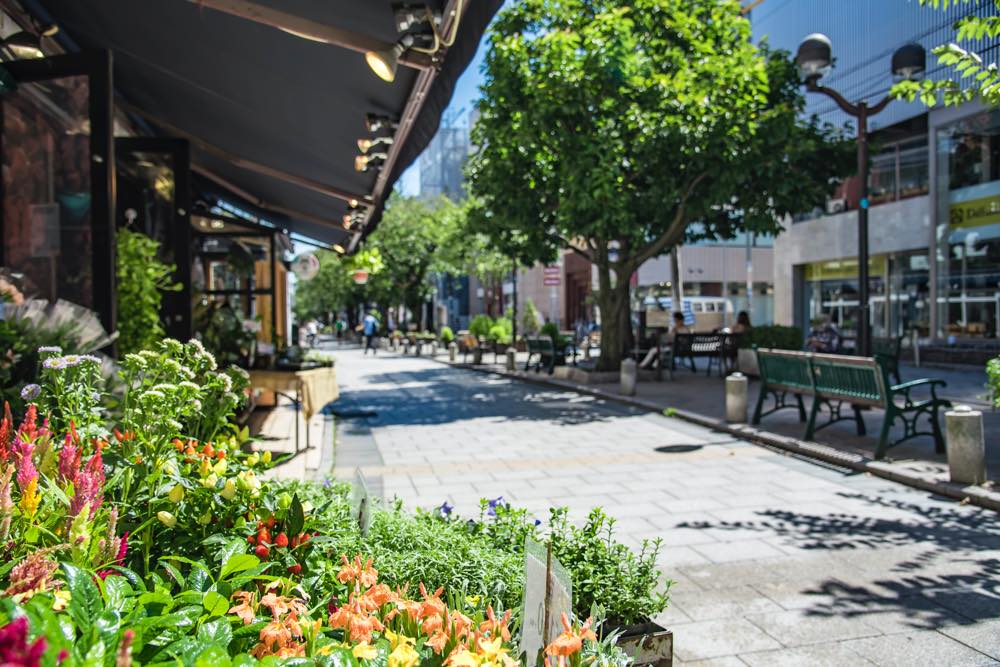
x: 968, y: 289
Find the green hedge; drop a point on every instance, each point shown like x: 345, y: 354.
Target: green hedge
x: 774, y: 336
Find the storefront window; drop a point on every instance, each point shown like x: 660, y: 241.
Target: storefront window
x: 46, y: 188
x: 968, y: 290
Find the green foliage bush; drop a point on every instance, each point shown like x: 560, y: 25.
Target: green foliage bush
x: 502, y: 331
x: 142, y: 278
x: 447, y: 335
x: 481, y: 325
x: 775, y: 336
x: 530, y: 320
x: 993, y: 380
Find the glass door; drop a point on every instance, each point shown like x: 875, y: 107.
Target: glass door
x: 56, y: 145
x: 154, y: 197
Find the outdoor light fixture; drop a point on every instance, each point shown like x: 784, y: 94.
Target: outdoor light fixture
x: 339, y: 249
x: 376, y: 123
x: 364, y: 145
x: 815, y: 58
x: 24, y: 44
x: 384, y: 63
x: 408, y: 17
x: 374, y: 160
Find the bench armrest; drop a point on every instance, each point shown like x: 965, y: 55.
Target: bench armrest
x: 905, y: 388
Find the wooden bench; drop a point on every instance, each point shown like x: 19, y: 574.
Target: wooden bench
x: 543, y: 351
x: 834, y: 380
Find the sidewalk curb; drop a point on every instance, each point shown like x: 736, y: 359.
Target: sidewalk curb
x: 974, y: 495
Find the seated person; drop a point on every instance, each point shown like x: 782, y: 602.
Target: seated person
x: 742, y: 325
x: 823, y: 336
x: 652, y: 357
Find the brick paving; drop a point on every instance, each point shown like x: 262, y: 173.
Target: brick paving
x: 775, y: 560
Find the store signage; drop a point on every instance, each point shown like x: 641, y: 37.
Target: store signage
x: 844, y: 269
x: 306, y: 267
x: 550, y: 281
x: 657, y: 319
x: 548, y: 593
x: 975, y: 212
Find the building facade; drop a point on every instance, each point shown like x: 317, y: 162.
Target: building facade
x: 934, y: 187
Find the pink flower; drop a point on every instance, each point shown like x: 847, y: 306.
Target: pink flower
x: 29, y: 427
x: 89, y: 486
x: 69, y: 461
x: 6, y: 433
x: 23, y: 451
x: 15, y: 649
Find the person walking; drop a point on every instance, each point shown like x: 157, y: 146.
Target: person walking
x: 369, y: 330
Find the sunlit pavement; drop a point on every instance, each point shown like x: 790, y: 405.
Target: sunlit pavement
x: 776, y: 560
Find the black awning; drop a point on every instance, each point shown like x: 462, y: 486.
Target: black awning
x: 241, y: 89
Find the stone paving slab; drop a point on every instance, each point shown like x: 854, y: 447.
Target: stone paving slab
x: 776, y: 559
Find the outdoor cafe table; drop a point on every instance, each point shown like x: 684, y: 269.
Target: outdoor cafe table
x: 313, y: 389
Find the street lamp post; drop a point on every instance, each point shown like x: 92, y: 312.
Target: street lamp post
x: 814, y: 58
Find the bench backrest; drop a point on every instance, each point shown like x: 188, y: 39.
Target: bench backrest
x: 785, y: 369
x: 859, y: 380
x: 889, y: 347
x: 545, y: 344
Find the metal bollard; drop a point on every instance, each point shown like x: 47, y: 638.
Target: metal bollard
x: 452, y: 351
x: 966, y: 445
x: 736, y: 398
x: 511, y: 359
x: 629, y: 373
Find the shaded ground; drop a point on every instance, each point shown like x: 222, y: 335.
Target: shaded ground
x: 776, y: 560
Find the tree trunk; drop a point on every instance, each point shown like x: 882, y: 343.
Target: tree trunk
x: 613, y: 302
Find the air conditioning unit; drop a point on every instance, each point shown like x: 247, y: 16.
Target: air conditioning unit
x: 836, y: 205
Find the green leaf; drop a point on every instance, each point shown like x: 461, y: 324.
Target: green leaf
x: 217, y: 632
x: 213, y: 656
x: 238, y: 563
x: 215, y: 604
x: 296, y: 517
x: 85, y: 603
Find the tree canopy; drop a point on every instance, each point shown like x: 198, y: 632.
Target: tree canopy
x: 609, y: 126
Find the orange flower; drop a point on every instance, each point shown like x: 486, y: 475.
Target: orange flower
x: 494, y: 627
x: 365, y: 575
x: 431, y: 625
x: 380, y: 594
x: 432, y: 604
x: 280, y: 605
x: 570, y: 641
x: 437, y: 641
x: 461, y: 623
x: 357, y: 623
x: 245, y: 609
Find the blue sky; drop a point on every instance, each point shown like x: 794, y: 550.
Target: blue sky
x: 466, y: 93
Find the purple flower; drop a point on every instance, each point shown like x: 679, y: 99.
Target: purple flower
x: 50, y: 349
x: 493, y: 505
x: 446, y: 509
x: 538, y: 522
x: 54, y: 363
x: 30, y: 392
x: 15, y: 649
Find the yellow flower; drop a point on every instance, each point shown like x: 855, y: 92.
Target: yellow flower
x: 205, y: 518
x: 170, y: 469
x: 229, y: 490
x: 167, y: 519
x: 176, y: 494
x: 463, y: 658
x: 205, y: 468
x: 266, y: 457
x: 404, y: 655
x: 31, y: 498
x: 61, y: 599
x: 209, y: 482
x: 473, y: 600
x: 397, y: 640
x: 253, y: 460
x: 365, y: 651
x: 220, y: 467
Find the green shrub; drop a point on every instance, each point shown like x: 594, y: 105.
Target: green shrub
x: 559, y: 342
x: 481, y: 325
x: 447, y: 335
x: 502, y: 331
x: 530, y: 321
x: 141, y: 279
x: 775, y: 336
x: 993, y: 380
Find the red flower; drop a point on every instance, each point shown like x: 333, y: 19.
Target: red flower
x: 15, y: 649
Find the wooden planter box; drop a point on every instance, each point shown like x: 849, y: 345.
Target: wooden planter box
x: 649, y: 645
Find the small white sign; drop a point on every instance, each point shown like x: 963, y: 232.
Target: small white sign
x: 537, y: 572
x: 361, y: 500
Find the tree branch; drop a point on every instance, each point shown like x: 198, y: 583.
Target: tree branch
x: 672, y: 234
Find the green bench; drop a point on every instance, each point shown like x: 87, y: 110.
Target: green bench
x: 543, y: 352
x: 889, y: 349
x: 834, y: 380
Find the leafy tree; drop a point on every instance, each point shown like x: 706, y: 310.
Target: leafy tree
x: 980, y: 79
x: 610, y: 126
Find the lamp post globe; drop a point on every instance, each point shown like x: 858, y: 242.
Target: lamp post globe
x: 815, y: 55
x: 909, y: 61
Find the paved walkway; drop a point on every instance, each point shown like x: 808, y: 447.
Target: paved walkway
x: 776, y: 560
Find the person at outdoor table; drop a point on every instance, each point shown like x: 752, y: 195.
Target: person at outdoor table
x: 652, y: 357
x: 742, y: 325
x: 823, y: 336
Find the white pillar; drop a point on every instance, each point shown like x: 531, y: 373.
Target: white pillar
x: 736, y: 398
x: 452, y: 351
x: 966, y: 445
x: 511, y: 359
x: 629, y: 372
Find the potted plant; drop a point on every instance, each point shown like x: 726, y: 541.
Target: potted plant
x: 480, y: 327
x: 559, y: 342
x: 775, y: 337
x: 447, y: 336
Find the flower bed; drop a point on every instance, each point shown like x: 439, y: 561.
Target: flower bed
x: 134, y: 526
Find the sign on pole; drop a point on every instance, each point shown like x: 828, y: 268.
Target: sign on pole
x: 548, y: 593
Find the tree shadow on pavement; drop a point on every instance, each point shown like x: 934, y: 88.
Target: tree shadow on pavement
x: 927, y: 564
x: 444, y: 395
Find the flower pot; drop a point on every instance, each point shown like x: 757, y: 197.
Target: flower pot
x: 648, y: 644
x: 746, y: 359
x: 477, y: 356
